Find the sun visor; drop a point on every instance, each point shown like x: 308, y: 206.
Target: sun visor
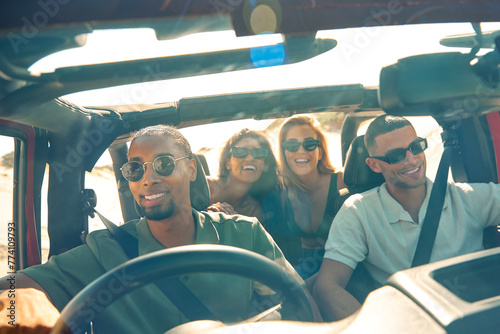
x: 442, y: 84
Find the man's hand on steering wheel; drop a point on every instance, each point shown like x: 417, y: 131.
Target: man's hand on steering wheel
x: 26, y: 311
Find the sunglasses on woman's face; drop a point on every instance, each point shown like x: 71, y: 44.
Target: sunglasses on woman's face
x: 399, y: 154
x: 308, y: 145
x: 242, y: 152
x: 134, y: 171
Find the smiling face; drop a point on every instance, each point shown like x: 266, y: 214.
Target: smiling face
x: 302, y: 162
x: 408, y: 174
x: 247, y: 169
x: 161, y: 197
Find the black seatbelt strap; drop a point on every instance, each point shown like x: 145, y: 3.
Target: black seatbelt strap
x: 171, y: 287
x: 436, y: 201
x: 128, y: 242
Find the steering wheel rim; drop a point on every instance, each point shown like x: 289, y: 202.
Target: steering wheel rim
x: 189, y: 260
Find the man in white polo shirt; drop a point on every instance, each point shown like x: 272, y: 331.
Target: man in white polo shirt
x: 381, y: 227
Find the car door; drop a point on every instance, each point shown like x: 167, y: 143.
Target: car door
x: 22, y: 165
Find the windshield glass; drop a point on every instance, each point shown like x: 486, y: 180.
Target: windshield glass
x: 358, y: 57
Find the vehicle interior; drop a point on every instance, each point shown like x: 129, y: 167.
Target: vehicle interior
x: 237, y: 64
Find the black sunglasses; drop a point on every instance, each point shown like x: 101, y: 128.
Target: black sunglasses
x: 242, y: 152
x: 134, y: 171
x: 399, y: 154
x: 308, y: 145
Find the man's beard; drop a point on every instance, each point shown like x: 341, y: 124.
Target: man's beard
x: 407, y: 185
x: 158, y: 213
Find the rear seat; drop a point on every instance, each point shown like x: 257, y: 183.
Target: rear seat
x: 357, y: 175
x: 359, y: 178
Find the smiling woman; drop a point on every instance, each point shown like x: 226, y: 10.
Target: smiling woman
x: 247, y: 172
x: 311, y: 187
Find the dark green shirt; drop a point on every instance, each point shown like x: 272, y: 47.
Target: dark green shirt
x: 147, y: 310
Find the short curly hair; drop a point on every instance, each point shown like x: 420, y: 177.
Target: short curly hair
x: 168, y: 132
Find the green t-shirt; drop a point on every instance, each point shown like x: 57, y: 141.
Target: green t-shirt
x: 147, y: 310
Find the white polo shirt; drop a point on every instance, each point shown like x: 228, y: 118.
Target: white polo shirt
x: 375, y: 227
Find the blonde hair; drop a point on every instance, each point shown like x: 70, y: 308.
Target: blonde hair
x: 324, y: 164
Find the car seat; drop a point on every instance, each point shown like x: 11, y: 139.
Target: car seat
x: 359, y: 178
x: 199, y: 190
x: 203, y: 161
x: 357, y: 175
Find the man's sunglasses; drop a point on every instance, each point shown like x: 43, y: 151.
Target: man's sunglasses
x: 399, y: 154
x: 242, y: 152
x: 308, y: 145
x: 134, y: 171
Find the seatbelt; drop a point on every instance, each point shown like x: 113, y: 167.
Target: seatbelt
x: 436, y: 201
x: 171, y: 287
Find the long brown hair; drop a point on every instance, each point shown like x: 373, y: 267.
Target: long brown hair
x: 269, y: 178
x: 324, y: 164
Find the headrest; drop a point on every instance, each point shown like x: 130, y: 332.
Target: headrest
x: 199, y: 190
x: 356, y: 171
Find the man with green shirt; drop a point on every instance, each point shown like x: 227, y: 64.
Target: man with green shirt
x: 160, y: 170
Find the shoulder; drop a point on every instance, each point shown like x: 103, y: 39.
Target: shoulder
x: 460, y: 187
x: 468, y: 187
x: 212, y: 180
x: 129, y: 227
x: 475, y: 192
x: 237, y: 230
x: 216, y: 185
x: 358, y: 207
x: 106, y: 248
x: 216, y: 182
x: 358, y: 199
x: 98, y: 235
x: 473, y: 189
x: 338, y: 177
x: 222, y: 219
x: 237, y: 225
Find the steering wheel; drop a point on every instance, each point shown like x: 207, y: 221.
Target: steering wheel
x: 188, y: 260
